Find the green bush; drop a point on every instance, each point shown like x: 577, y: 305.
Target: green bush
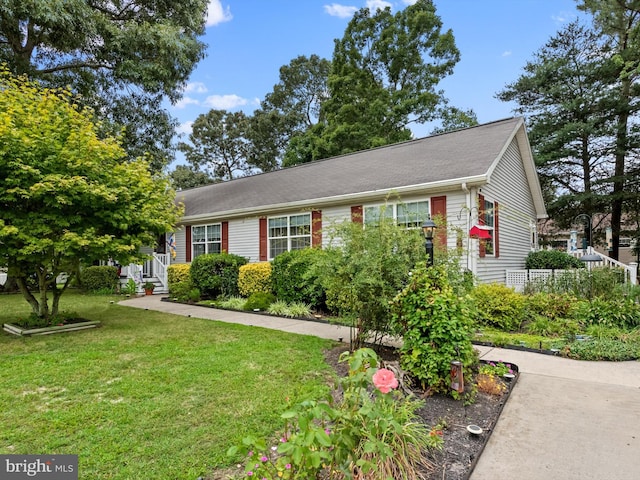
x: 618, y: 312
x: 100, y: 279
x: 550, y: 305
x: 254, y: 277
x: 435, y: 325
x: 216, y: 274
x: 552, y: 259
x: 184, y: 291
x: 373, y: 431
x: 499, y: 306
x: 260, y: 301
x: 293, y: 280
x: 178, y: 272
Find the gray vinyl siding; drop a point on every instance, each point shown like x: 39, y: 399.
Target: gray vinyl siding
x: 181, y: 246
x: 332, y: 216
x: 457, y: 216
x: 509, y: 188
x: 244, y: 238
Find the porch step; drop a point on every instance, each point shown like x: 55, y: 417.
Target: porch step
x: 158, y: 284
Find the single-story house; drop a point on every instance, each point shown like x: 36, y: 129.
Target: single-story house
x: 482, y: 179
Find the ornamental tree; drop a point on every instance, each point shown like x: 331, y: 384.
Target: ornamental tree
x: 67, y: 197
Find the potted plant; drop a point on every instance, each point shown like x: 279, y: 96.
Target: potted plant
x: 148, y: 288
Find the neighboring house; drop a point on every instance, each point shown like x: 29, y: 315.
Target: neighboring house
x: 479, y: 176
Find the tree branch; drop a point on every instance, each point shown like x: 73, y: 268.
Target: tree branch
x: 72, y: 66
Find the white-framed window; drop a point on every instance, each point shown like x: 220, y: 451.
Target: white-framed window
x: 206, y: 239
x: 489, y: 221
x: 409, y: 215
x: 288, y: 232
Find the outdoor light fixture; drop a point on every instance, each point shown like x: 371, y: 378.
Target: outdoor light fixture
x: 428, y: 227
x: 457, y: 377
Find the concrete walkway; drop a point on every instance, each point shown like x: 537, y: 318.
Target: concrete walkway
x: 565, y: 419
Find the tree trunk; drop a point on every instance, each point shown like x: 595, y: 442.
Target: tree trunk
x: 31, y: 300
x: 618, y: 174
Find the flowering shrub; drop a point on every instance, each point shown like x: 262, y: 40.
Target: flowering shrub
x: 498, y: 368
x: 385, y: 380
x: 370, y: 434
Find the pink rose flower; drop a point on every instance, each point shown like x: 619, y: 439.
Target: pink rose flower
x: 385, y: 380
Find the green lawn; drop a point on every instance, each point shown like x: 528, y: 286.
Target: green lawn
x: 148, y: 395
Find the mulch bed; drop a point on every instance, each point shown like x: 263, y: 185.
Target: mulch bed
x: 461, y: 449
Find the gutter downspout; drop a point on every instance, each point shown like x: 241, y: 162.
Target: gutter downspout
x: 471, y: 264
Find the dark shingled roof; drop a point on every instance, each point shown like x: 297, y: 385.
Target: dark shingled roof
x: 459, y: 154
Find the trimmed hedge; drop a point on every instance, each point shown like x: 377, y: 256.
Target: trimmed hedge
x: 216, y: 274
x: 253, y: 278
x: 552, y: 260
x: 178, y: 272
x: 291, y: 280
x: 100, y: 278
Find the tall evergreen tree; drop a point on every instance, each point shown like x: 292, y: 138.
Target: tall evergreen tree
x: 562, y: 92
x: 619, y: 23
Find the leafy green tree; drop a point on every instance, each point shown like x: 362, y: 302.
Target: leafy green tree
x: 453, y: 118
x: 384, y: 75
x: 122, y: 57
x: 67, y: 197
x: 184, y: 176
x: 562, y: 92
x: 364, y: 269
x: 219, y: 144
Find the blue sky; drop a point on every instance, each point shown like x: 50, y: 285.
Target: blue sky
x: 249, y: 40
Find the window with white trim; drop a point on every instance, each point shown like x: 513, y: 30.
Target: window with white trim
x: 206, y: 239
x: 489, y: 222
x: 409, y: 215
x: 289, y: 232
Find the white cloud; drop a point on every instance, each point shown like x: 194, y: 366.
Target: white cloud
x: 224, y: 102
x: 563, y: 17
x: 342, y: 11
x: 216, y: 13
x: 409, y: 2
x: 184, y: 128
x: 195, y: 87
x: 507, y: 53
x: 374, y: 5
x: 186, y: 101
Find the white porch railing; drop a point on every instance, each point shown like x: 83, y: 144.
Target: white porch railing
x: 159, y: 264
x: 631, y: 270
x: 153, y: 269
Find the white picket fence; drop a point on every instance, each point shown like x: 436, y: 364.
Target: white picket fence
x: 518, y: 279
